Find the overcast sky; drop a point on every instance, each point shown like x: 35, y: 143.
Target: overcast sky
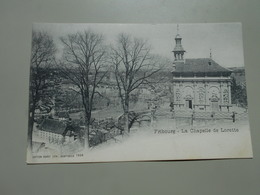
x: 224, y: 40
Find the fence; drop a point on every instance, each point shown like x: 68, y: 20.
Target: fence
x: 107, y: 129
x: 193, y: 117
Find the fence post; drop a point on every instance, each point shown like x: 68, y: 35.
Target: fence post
x: 234, y: 117
x: 192, y: 117
x: 173, y: 114
x: 212, y: 116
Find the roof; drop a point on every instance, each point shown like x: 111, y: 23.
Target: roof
x: 178, y: 47
x: 178, y: 36
x: 62, y: 114
x: 200, y: 65
x: 58, y: 127
x: 53, y: 126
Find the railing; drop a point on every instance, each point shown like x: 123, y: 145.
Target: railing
x: 197, y: 115
x: 107, y: 129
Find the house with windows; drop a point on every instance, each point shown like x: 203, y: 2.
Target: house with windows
x: 199, y: 83
x: 57, y: 132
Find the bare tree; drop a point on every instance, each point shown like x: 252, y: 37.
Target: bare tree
x: 84, y: 65
x: 42, y: 58
x: 133, y: 66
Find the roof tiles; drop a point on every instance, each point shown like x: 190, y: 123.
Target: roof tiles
x: 200, y: 65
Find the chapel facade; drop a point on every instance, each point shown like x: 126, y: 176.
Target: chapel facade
x: 199, y: 83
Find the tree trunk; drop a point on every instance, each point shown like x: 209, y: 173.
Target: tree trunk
x: 126, y: 113
x: 86, y: 137
x: 127, y: 130
x: 30, y: 131
x: 87, y: 129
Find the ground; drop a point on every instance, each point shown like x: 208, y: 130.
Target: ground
x: 232, y: 141
x: 164, y: 139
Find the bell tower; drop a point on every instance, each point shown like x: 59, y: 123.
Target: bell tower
x: 178, y: 50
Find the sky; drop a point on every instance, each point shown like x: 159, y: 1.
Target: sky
x: 223, y: 39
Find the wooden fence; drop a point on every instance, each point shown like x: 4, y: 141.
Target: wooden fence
x: 191, y: 117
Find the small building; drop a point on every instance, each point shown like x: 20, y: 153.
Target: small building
x: 62, y: 115
x: 199, y: 83
x: 57, y: 132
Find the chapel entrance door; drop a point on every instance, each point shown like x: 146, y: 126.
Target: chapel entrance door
x: 214, y: 103
x: 215, y: 106
x: 189, y: 104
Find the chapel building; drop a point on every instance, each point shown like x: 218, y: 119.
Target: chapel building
x: 200, y: 83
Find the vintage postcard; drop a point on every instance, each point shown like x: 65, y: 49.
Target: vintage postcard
x: 137, y: 92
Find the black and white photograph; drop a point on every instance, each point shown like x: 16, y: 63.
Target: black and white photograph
x: 137, y: 92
